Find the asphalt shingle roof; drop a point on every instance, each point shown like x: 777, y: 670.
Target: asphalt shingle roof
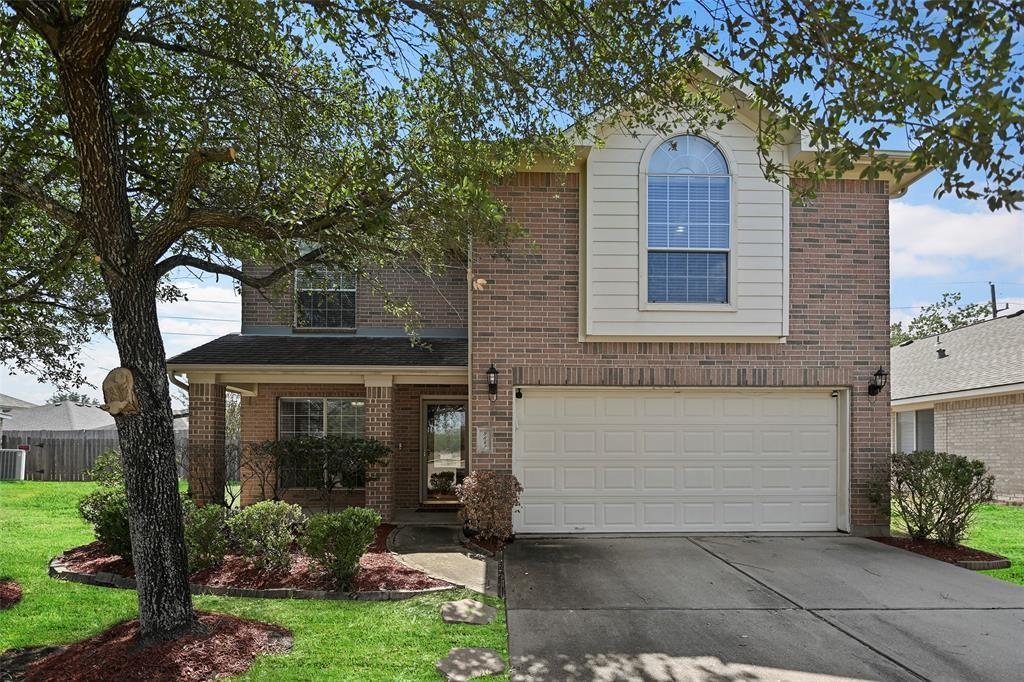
x: 981, y: 355
x: 237, y: 349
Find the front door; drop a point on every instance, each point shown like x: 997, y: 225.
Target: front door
x: 445, y: 449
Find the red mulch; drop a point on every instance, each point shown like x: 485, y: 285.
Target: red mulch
x: 10, y: 593
x: 222, y: 646
x: 936, y: 550
x: 379, y: 570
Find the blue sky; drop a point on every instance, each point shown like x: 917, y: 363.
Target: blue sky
x: 937, y: 246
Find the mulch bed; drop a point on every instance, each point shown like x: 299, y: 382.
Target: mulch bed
x: 936, y: 550
x: 378, y: 570
x: 490, y: 544
x: 10, y: 593
x: 220, y: 646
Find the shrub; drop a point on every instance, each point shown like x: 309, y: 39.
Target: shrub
x: 264, y: 532
x: 107, y: 510
x: 488, y: 498
x: 107, y: 470
x: 936, y: 493
x: 336, y: 541
x: 205, y: 536
x: 322, y: 462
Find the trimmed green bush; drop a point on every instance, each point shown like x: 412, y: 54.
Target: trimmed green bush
x: 336, y: 541
x: 206, y: 536
x: 936, y: 493
x: 107, y: 470
x: 106, y: 509
x: 264, y: 532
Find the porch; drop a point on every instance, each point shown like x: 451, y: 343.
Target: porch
x: 411, y: 398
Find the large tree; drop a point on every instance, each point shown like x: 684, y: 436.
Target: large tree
x: 137, y: 139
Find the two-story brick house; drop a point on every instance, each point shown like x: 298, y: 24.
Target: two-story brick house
x: 687, y: 350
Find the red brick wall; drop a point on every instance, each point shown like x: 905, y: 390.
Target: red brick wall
x: 206, y: 432
x: 437, y: 301
x: 526, y: 320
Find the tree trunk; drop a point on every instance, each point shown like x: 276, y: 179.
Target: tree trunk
x: 147, y: 438
x: 147, y: 448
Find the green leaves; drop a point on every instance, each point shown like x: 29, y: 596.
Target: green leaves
x: 939, y: 317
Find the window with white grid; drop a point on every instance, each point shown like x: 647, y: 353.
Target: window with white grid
x: 688, y: 222
x: 325, y: 298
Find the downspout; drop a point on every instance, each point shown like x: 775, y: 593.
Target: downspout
x: 176, y: 381
x: 469, y: 351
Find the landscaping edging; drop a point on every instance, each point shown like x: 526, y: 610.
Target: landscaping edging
x: 59, y: 571
x: 983, y: 561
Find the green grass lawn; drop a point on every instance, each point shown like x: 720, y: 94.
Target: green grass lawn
x: 1000, y: 529
x: 333, y: 640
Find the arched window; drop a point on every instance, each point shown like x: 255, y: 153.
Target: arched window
x: 688, y: 221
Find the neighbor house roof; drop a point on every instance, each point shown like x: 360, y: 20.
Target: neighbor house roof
x: 65, y: 416
x: 7, y: 401
x: 985, y: 355
x: 236, y: 349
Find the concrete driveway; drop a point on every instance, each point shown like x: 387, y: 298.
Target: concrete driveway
x: 744, y: 608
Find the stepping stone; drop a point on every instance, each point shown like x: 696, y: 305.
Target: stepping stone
x: 465, y: 664
x: 467, y: 611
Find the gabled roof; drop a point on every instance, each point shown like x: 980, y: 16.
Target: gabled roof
x: 985, y: 355
x: 351, y: 351
x: 7, y: 401
x: 65, y: 416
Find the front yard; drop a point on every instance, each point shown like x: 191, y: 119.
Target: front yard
x: 333, y: 639
x: 1000, y: 529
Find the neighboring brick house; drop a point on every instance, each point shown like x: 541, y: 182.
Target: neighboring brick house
x: 685, y: 349
x: 963, y: 392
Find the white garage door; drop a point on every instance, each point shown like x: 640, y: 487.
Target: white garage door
x: 636, y: 460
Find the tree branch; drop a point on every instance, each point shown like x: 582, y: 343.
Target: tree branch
x: 40, y: 199
x: 184, y: 260
x: 176, y: 222
x: 92, y: 37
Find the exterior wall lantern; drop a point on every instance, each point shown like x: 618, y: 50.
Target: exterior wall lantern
x: 492, y: 382
x: 878, y: 381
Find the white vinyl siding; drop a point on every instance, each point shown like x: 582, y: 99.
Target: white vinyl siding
x: 615, y: 302
x: 638, y: 460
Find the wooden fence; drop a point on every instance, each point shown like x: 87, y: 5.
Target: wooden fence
x: 66, y: 455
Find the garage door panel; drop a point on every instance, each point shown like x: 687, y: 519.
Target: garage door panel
x: 635, y: 461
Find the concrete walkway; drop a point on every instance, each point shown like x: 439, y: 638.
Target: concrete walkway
x: 746, y: 608
x: 436, y: 551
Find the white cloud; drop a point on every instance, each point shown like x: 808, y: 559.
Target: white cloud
x: 928, y: 240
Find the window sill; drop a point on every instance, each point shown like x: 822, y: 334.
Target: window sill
x: 690, y: 307
x: 323, y: 330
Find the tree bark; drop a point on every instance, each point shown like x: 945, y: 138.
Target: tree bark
x: 151, y: 480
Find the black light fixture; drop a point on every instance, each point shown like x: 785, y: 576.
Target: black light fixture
x: 878, y: 381
x: 492, y: 382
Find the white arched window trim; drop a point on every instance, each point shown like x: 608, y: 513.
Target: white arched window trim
x: 645, y: 162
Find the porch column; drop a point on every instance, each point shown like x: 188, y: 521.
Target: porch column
x: 379, y: 413
x: 206, y: 442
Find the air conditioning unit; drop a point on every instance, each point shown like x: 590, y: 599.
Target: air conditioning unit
x: 12, y: 465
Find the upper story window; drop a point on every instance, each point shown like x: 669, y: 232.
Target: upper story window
x: 325, y: 298
x: 688, y: 223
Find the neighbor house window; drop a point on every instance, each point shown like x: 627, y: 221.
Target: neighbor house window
x: 688, y: 223
x: 317, y: 417
x: 915, y: 430
x: 325, y: 298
